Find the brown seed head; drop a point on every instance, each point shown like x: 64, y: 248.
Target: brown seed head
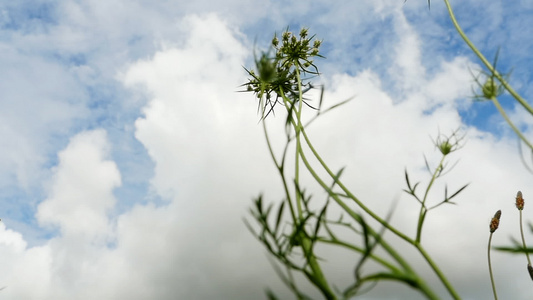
x: 530, y: 270
x: 519, y: 201
x: 495, y: 221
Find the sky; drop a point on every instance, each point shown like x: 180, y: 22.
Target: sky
x: 130, y: 158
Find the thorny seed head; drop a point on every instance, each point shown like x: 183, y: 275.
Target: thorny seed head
x: 495, y: 222
x: 449, y: 144
x: 490, y: 89
x: 519, y: 201
x: 445, y: 147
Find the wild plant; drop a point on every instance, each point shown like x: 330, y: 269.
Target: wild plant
x: 292, y: 230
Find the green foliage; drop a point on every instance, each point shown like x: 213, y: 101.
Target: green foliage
x: 292, y: 230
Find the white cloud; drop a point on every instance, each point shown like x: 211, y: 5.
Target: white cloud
x: 81, y: 193
x: 36, y: 105
x: 210, y: 159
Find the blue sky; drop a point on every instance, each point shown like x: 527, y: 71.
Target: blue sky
x: 130, y: 159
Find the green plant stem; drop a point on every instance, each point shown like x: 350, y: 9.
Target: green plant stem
x: 508, y: 120
x: 523, y: 239
x: 350, y: 195
x: 319, y: 279
x: 500, y: 78
x: 280, y: 170
x: 423, y: 286
x: 485, y: 61
x: 298, y: 145
x: 490, y: 270
x: 350, y: 212
x: 347, y: 245
x: 316, y: 276
x: 423, y: 208
x: 437, y: 271
x: 435, y: 268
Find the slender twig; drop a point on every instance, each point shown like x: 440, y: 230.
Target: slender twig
x: 423, y: 207
x: 485, y: 61
x: 520, y: 206
x: 494, y: 223
x: 495, y: 74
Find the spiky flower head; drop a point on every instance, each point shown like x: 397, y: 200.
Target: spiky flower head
x: 283, y: 75
x: 449, y: 144
x: 490, y: 83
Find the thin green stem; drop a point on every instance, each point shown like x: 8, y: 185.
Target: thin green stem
x: 437, y: 271
x: 319, y: 279
x: 426, y: 256
x: 523, y: 239
x: 350, y: 195
x: 347, y: 245
x: 423, y: 208
x: 350, y: 212
x: 486, y: 62
x: 423, y: 286
x: 508, y: 120
x: 490, y: 270
x: 316, y: 275
x: 280, y: 170
x: 298, y: 145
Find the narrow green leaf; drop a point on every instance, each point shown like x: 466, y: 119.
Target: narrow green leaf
x: 458, y: 191
x: 280, y: 214
x: 270, y: 295
x: 514, y: 250
x: 319, y: 219
x: 427, y: 164
x: 407, y: 180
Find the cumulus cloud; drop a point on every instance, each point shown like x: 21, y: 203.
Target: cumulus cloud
x: 209, y: 160
x: 81, y: 194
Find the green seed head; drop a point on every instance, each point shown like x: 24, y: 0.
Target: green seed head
x: 445, y: 147
x: 490, y: 89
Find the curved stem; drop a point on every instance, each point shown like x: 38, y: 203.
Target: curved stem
x: 374, y: 257
x: 351, y: 196
x: 508, y: 120
x: 490, y: 270
x: 523, y: 239
x: 423, y: 208
x: 426, y: 256
x: 280, y: 170
x: 423, y: 286
x: 486, y: 62
x: 316, y: 275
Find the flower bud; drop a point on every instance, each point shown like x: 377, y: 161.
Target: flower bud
x: 495, y: 222
x: 445, y: 147
x: 490, y: 89
x: 303, y: 33
x: 519, y: 201
x: 275, y: 42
